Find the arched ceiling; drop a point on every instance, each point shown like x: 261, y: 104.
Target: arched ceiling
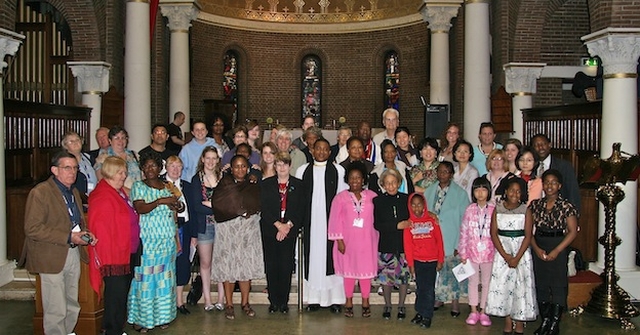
x: 311, y: 11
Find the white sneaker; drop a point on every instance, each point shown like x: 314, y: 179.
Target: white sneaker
x: 219, y: 306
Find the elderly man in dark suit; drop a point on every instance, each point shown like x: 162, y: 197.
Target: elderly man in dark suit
x: 570, y: 189
x: 54, y: 228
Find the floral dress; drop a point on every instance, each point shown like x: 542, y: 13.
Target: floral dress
x: 512, y: 290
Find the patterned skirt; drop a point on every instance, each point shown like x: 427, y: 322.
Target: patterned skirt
x: 152, y: 297
x: 392, y: 269
x: 447, y: 286
x: 237, y: 250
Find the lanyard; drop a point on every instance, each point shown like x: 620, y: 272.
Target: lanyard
x: 483, y: 211
x: 358, y: 206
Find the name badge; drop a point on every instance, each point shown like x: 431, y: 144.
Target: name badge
x: 358, y: 222
x: 481, y: 246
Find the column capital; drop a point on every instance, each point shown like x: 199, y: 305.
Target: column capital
x: 9, y: 44
x: 93, y: 77
x: 438, y: 14
x: 520, y: 78
x: 619, y: 49
x: 180, y: 14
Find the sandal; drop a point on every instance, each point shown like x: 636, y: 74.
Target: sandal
x: 248, y: 310
x: 348, y: 312
x: 229, y: 313
x: 164, y: 326
x: 366, y: 311
x: 140, y: 329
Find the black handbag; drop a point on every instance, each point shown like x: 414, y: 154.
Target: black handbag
x: 195, y: 293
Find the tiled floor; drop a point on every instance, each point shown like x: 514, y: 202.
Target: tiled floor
x: 15, y: 319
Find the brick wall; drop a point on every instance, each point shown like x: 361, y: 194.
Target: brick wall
x: 352, y: 67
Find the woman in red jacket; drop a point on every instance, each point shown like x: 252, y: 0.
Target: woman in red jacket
x: 114, y: 223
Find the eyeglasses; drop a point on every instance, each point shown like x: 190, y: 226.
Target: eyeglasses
x: 120, y: 138
x: 497, y: 159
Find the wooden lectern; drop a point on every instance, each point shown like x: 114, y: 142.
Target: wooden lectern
x: 91, y: 310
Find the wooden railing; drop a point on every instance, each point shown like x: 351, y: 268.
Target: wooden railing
x: 33, y: 134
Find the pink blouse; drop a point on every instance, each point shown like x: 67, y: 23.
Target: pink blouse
x: 475, y: 234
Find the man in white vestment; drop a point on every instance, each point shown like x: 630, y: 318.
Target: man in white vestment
x: 323, y: 180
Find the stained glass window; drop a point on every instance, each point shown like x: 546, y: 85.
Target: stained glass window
x: 312, y: 88
x: 230, y: 81
x: 392, y: 80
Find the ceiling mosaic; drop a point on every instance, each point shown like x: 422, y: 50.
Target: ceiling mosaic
x: 311, y: 11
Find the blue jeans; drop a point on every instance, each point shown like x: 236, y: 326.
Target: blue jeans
x: 425, y: 287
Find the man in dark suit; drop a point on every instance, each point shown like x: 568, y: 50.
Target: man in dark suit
x: 54, y: 228
x: 570, y: 189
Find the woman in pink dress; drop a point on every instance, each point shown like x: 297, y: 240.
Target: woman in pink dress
x: 351, y: 226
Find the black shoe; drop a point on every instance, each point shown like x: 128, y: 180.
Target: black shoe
x: 425, y: 323
x: 455, y: 314
x: 556, y: 315
x: 545, y: 313
x: 183, y: 310
x: 402, y: 313
x: 336, y: 309
x: 417, y: 319
x: 386, y: 312
x: 272, y: 309
x: 284, y: 309
x: 312, y: 307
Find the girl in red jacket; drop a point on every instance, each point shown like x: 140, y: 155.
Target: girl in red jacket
x: 424, y: 251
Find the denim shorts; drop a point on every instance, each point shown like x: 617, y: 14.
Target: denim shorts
x: 208, y: 236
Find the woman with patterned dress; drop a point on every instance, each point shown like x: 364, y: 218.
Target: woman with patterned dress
x: 152, y: 297
x: 556, y: 226
x: 511, y: 289
x: 448, y: 201
x: 391, y: 217
x: 238, y: 244
x: 355, y: 253
x: 424, y: 174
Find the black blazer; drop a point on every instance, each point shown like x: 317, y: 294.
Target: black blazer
x: 270, y: 207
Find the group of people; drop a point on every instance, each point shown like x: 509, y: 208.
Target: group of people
x: 372, y: 210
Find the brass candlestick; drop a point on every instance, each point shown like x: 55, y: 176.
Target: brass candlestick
x: 608, y: 299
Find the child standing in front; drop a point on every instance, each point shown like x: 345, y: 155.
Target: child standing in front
x: 475, y: 246
x: 512, y: 287
x: 424, y: 250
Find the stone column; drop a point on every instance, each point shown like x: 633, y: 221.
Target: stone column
x: 477, y: 78
x: 137, y: 74
x: 619, y: 49
x: 521, y: 84
x: 9, y: 45
x: 439, y: 14
x: 180, y: 14
x: 93, y: 80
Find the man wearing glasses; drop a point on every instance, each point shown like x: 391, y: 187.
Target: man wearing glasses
x: 54, y: 228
